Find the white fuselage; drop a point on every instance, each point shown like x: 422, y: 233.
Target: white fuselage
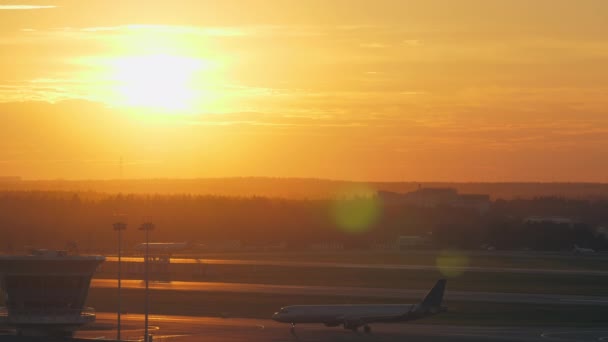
x: 336, y: 314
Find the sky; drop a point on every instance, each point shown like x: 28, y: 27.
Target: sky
x: 383, y: 90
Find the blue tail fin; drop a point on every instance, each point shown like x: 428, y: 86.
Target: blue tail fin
x: 434, y: 298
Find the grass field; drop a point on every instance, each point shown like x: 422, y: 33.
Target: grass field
x: 263, y: 305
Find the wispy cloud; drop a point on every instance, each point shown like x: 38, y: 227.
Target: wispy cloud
x: 412, y: 42
x: 373, y: 45
x: 209, y: 31
x: 38, y: 92
x: 25, y: 7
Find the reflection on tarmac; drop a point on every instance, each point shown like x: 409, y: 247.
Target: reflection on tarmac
x: 355, y: 292
x: 186, y: 329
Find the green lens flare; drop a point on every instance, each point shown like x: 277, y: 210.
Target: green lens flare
x: 452, y: 263
x: 356, y: 209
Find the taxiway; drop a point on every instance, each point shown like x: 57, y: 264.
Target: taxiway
x: 190, y: 329
x: 495, y: 297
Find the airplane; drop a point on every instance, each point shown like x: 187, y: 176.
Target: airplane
x: 579, y: 250
x: 354, y: 316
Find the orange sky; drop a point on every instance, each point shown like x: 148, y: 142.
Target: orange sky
x: 469, y: 90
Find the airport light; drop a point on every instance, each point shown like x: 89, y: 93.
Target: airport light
x: 147, y: 227
x: 119, y: 227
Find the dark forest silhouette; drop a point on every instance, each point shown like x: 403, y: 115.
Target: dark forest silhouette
x: 52, y: 219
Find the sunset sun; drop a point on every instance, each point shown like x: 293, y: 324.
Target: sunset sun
x: 161, y: 82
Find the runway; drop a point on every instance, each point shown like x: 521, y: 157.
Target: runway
x: 371, y: 266
x: 496, y: 297
x: 187, y: 329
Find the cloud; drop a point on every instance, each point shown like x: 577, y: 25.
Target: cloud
x: 373, y: 45
x: 25, y: 7
x: 204, y: 31
x: 46, y: 92
x: 412, y: 42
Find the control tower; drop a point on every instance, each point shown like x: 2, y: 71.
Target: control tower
x: 45, y: 292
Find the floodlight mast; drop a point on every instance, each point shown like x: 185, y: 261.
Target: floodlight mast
x: 119, y: 227
x: 147, y: 227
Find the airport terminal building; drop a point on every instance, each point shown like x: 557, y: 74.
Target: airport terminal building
x: 45, y: 292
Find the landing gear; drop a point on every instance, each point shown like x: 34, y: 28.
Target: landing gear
x: 354, y: 327
x: 292, y: 329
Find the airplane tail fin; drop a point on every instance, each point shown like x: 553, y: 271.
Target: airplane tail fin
x: 434, y: 298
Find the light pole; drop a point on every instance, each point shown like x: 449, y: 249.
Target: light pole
x: 119, y: 227
x: 147, y: 227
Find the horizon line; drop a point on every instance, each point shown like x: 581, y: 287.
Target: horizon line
x: 23, y: 179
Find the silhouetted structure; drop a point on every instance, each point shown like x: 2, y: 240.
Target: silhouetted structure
x: 46, y: 292
x: 434, y: 197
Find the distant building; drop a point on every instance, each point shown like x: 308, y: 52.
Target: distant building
x: 406, y: 242
x: 226, y: 245
x: 384, y: 245
x: 550, y: 219
x: 327, y: 246
x: 434, y: 197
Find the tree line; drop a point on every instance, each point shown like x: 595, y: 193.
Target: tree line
x: 55, y: 219
x: 296, y: 188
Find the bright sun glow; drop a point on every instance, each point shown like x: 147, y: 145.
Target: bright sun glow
x: 161, y: 82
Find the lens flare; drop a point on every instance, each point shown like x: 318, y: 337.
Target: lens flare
x: 355, y: 209
x: 452, y: 263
